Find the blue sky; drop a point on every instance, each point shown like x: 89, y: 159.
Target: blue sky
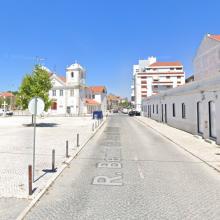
x: 105, y: 36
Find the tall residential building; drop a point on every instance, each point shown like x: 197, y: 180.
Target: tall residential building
x: 150, y: 77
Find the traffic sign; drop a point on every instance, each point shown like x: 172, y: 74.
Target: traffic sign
x: 36, y: 104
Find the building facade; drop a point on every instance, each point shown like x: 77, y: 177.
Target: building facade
x: 113, y: 102
x: 71, y: 96
x: 207, y: 60
x: 194, y: 107
x: 151, y: 77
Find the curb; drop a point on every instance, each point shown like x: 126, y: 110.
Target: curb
x: 61, y: 169
x: 180, y: 146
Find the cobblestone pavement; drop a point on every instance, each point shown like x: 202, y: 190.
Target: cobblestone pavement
x: 16, y: 147
x: 128, y: 171
x: 10, y: 208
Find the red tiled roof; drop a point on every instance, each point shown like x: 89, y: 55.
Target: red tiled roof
x: 63, y: 78
x: 92, y: 102
x: 97, y: 89
x: 6, y: 94
x: 177, y: 63
x: 214, y: 37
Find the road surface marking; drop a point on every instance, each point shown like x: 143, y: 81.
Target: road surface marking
x: 110, y: 181
x: 140, y: 172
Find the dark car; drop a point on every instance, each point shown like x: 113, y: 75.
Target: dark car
x: 137, y: 113
x: 131, y: 113
x: 134, y: 113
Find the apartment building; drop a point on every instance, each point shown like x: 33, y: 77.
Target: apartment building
x: 150, y: 77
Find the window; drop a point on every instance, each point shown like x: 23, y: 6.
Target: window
x: 174, y: 110
x: 156, y: 87
x: 72, y: 92
x: 168, y: 77
x: 53, y: 92
x: 183, y: 110
x: 61, y: 92
x: 169, y: 86
x: 171, y: 68
x: 178, y: 77
x: 157, y: 108
x: 179, y: 68
x: 153, y: 109
x: 72, y: 74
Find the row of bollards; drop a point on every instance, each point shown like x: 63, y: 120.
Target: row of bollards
x: 53, y: 168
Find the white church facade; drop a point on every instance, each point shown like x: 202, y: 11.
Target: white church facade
x: 70, y: 95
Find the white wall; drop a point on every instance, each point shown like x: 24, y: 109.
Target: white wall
x: 202, y: 91
x: 207, y: 60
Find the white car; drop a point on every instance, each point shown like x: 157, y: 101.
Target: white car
x: 125, y: 110
x: 6, y: 112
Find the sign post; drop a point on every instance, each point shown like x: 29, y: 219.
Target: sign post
x: 36, y: 107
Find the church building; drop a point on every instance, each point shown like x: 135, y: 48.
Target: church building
x: 71, y: 96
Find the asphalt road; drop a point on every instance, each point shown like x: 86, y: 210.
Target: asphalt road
x: 130, y: 172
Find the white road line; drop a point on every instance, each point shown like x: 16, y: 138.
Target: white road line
x: 140, y: 172
x: 139, y: 169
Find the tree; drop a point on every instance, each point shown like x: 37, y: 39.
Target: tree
x: 36, y: 84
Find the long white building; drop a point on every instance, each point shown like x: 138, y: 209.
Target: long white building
x: 151, y: 77
x: 195, y: 106
x: 71, y: 96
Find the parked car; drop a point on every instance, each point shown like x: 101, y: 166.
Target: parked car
x: 115, y: 110
x: 7, y: 112
x: 125, y: 110
x: 134, y: 113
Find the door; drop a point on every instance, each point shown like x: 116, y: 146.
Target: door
x: 162, y: 111
x: 212, y: 120
x: 199, y: 118
x: 165, y: 111
x: 54, y: 105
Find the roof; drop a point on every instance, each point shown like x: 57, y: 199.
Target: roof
x: 63, y: 78
x: 6, y: 94
x: 98, y: 89
x: 176, y: 63
x: 214, y: 37
x: 113, y: 97
x: 91, y: 102
x: 75, y: 66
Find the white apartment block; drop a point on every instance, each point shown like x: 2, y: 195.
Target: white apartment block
x: 71, y: 96
x: 151, y: 77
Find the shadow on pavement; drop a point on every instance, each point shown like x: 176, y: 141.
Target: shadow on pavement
x: 46, y: 125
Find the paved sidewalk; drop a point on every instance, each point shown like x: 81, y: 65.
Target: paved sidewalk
x: 16, y: 149
x: 207, y: 152
x: 16, y: 154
